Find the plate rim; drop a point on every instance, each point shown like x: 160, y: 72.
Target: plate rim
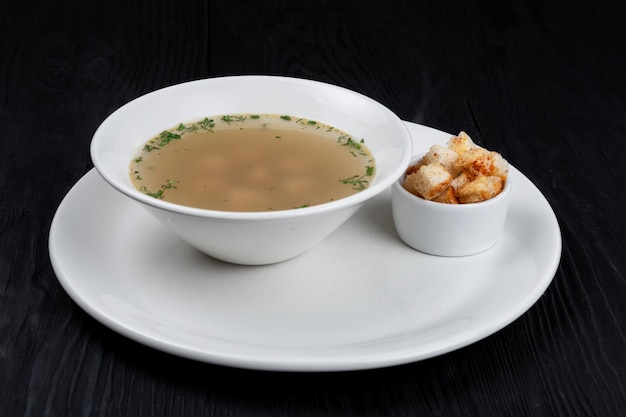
x: 305, y: 364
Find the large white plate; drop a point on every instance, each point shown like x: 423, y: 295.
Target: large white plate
x: 361, y: 299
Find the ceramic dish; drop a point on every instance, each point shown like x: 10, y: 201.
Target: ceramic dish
x: 361, y: 300
x: 448, y: 229
x: 252, y: 237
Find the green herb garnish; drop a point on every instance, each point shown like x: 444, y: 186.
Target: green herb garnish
x: 158, y: 194
x: 206, y: 124
x: 166, y: 137
x: 169, y: 184
x: 233, y: 119
x: 357, y: 182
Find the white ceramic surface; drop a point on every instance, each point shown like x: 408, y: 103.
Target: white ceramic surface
x: 361, y: 299
x: 448, y: 229
x: 261, y: 237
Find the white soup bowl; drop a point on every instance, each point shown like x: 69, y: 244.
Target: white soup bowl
x: 251, y: 238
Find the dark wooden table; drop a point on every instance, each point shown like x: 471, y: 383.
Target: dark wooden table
x: 542, y: 82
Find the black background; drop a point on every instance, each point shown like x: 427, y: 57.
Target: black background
x: 543, y: 82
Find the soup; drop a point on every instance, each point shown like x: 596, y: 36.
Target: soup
x: 251, y: 162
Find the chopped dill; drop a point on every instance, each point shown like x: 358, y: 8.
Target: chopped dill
x: 169, y: 184
x: 234, y: 119
x: 356, y: 181
x: 166, y: 137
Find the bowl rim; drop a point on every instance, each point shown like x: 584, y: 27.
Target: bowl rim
x: 349, y: 201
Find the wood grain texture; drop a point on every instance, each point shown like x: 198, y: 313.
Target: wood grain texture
x: 541, y: 81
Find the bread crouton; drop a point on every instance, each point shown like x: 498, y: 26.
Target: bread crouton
x: 500, y: 166
x: 461, y: 143
x: 460, y: 173
x: 447, y: 197
x: 414, y: 168
x: 428, y: 181
x: 445, y: 156
x: 480, y: 189
x: 460, y: 180
x: 476, y: 161
x: 479, y: 161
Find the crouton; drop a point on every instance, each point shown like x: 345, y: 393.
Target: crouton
x: 476, y: 161
x: 428, y: 181
x: 480, y: 189
x: 461, y: 143
x: 445, y: 156
x: 460, y: 173
x: 414, y: 168
x: 460, y: 180
x: 500, y: 166
x: 447, y: 197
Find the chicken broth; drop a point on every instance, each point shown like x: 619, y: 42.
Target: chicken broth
x: 252, y: 163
